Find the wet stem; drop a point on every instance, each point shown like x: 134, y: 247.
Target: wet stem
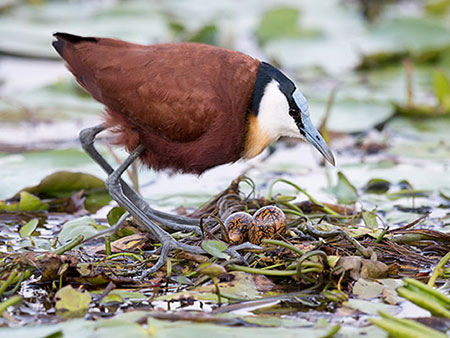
x: 438, y: 270
x: 216, y: 284
x: 409, y: 82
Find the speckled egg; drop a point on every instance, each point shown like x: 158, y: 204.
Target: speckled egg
x: 268, y: 222
x: 237, y: 225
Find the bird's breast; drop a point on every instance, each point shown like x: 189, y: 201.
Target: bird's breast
x: 256, y: 139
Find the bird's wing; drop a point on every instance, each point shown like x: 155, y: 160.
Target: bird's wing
x: 172, y: 90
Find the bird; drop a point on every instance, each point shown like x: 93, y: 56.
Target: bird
x: 182, y: 107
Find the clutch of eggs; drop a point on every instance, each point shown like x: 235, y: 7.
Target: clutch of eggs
x: 267, y: 222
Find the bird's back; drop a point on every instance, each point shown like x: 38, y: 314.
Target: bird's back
x: 176, y: 93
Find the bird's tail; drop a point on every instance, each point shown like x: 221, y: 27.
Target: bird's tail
x: 72, y: 49
x: 62, y: 39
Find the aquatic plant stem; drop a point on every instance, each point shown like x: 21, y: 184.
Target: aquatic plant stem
x: 438, y: 269
x: 8, y: 281
x: 284, y: 245
x: 127, y: 254
x: 312, y: 199
x: 23, y: 276
x: 69, y: 246
x: 9, y: 302
x: 279, y: 273
x: 216, y: 285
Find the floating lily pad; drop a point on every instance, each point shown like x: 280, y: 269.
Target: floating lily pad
x: 412, y: 33
x: 351, y: 116
x: 85, y: 226
x: 281, y: 22
x: 65, y: 184
x: 370, y: 307
x: 71, y: 302
x: 377, y: 186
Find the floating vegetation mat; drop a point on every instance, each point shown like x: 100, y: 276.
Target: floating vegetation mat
x: 303, y: 256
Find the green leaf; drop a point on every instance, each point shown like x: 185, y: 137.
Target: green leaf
x: 412, y: 33
x: 120, y: 296
x: 370, y: 219
x: 114, y: 215
x: 437, y: 7
x: 9, y: 206
x: 264, y: 321
x: 215, y: 248
x: 408, y: 193
x: 85, y: 226
x: 284, y: 198
x: 345, y: 192
x: 65, y: 183
x: 370, y: 307
x: 279, y: 23
x: 211, y: 270
x: 350, y: 115
x: 377, y: 186
x: 71, y: 302
x: 207, y: 34
x: 441, y: 85
x: 421, y: 110
x: 29, y: 228
x: 29, y: 202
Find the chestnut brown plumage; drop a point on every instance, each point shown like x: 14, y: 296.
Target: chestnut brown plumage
x: 185, y: 107
x: 155, y: 97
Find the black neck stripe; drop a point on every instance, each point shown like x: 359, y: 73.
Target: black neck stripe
x: 267, y: 73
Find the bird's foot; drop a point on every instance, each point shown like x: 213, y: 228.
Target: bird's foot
x: 170, y: 244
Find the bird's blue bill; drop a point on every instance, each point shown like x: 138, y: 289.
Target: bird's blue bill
x: 313, y: 136
x: 311, y: 133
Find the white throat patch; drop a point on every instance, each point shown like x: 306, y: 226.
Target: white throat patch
x: 273, y: 115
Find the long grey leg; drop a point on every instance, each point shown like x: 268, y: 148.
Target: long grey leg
x: 167, y: 241
x: 174, y: 222
x: 140, y: 210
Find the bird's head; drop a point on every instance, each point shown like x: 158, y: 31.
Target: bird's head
x: 282, y: 110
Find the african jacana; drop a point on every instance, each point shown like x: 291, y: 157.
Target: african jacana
x: 185, y: 107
